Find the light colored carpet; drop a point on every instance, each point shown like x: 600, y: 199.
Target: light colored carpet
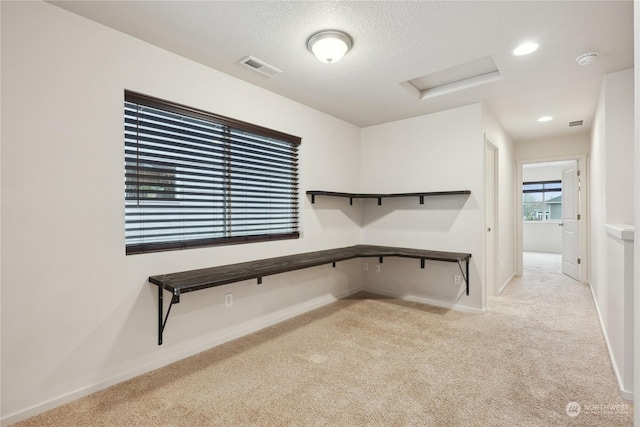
x: 538, y: 262
x: 378, y: 361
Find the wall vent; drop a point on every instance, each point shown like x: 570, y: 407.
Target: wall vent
x: 259, y: 66
x: 576, y: 123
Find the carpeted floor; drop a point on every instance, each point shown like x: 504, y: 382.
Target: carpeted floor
x: 378, y: 361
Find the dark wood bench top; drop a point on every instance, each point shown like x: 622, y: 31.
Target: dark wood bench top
x: 193, y: 280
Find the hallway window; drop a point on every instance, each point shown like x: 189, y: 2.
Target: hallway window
x: 195, y: 179
x: 542, y: 201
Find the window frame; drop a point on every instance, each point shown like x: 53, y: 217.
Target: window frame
x: 229, y: 175
x: 542, y: 191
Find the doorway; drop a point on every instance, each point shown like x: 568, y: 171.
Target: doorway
x: 551, y: 208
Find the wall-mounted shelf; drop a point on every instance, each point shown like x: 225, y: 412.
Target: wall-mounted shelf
x: 195, y: 280
x: 352, y: 196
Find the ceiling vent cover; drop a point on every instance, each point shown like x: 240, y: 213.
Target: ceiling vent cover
x: 576, y: 123
x: 259, y: 66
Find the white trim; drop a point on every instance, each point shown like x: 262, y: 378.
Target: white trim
x: 489, y: 289
x: 504, y: 285
x: 625, y: 394
x: 427, y: 301
x: 461, y: 85
x: 211, y: 341
x: 620, y: 231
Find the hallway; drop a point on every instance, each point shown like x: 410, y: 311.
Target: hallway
x: 562, y: 310
x: 541, y: 262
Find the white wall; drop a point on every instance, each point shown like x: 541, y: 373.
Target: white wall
x: 619, y: 116
x: 542, y: 173
x: 541, y: 237
x: 553, y: 147
x: 611, y: 183
x: 619, y: 252
x: 636, y: 299
x: 427, y: 153
x: 77, y: 314
x: 0, y: 208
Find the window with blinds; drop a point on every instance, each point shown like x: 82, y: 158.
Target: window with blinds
x: 195, y: 179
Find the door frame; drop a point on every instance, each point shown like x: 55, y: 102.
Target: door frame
x: 583, y: 194
x: 491, y: 250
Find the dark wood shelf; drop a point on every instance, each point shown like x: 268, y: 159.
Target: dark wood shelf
x: 195, y: 280
x: 351, y: 196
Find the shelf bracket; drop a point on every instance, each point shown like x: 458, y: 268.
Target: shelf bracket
x: 350, y: 201
x: 334, y: 265
x: 465, y: 276
x: 422, y: 200
x: 259, y: 280
x: 313, y: 199
x: 421, y: 262
x: 380, y: 259
x: 163, y: 322
x: 379, y: 201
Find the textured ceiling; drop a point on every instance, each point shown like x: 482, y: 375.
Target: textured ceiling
x: 396, y: 41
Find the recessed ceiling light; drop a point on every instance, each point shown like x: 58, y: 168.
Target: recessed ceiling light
x: 545, y: 118
x: 525, y: 48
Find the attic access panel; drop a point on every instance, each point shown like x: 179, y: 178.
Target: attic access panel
x: 464, y: 76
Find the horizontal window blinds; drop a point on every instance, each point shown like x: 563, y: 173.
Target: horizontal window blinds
x: 195, y: 179
x: 541, y: 186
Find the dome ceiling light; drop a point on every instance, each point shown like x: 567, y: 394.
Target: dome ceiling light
x: 329, y: 46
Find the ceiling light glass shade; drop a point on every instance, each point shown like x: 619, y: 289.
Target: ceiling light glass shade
x: 525, y: 49
x: 329, y: 46
x: 545, y: 118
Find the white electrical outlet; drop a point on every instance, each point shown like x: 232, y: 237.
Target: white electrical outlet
x: 365, y: 266
x: 378, y: 268
x: 228, y: 300
x: 457, y: 279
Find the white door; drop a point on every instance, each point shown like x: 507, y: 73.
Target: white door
x: 570, y: 253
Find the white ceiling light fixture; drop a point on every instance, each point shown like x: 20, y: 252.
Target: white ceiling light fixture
x: 525, y: 48
x: 329, y: 46
x: 545, y: 119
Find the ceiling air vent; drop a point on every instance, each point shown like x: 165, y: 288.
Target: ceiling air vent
x: 259, y: 66
x: 576, y: 123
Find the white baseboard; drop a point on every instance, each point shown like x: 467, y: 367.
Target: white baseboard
x: 206, y: 343
x: 421, y: 300
x: 625, y: 394
x: 504, y: 285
